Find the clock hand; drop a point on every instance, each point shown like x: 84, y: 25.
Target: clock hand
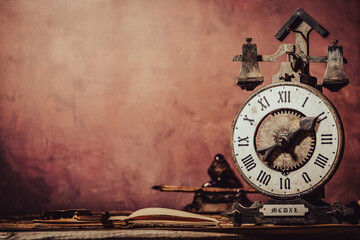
x: 268, y: 151
x: 306, y: 124
x: 283, y: 140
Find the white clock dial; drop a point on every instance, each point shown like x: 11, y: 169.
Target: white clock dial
x: 287, y: 140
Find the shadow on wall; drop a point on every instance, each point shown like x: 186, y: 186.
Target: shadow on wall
x: 20, y: 194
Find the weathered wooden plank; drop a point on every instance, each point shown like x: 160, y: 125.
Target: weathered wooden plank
x: 118, y: 234
x: 170, y: 188
x: 326, y: 231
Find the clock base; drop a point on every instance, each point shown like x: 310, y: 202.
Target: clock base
x: 293, y: 212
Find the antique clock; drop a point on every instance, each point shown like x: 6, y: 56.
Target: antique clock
x: 287, y: 138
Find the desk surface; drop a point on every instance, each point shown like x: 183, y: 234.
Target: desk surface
x: 26, y: 229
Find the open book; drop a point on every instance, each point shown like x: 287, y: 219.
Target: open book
x: 144, y: 217
x: 168, y: 217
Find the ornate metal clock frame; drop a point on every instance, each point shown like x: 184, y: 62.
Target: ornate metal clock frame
x: 287, y: 138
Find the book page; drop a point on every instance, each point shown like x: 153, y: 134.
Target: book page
x: 168, y: 215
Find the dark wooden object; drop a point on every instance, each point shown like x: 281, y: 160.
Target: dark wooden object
x: 25, y: 229
x: 219, y: 193
x: 295, y: 20
x: 191, y: 189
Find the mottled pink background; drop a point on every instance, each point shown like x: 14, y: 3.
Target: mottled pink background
x: 100, y: 100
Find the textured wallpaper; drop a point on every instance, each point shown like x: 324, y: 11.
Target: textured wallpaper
x: 100, y: 100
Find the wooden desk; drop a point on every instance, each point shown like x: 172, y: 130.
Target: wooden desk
x: 26, y: 229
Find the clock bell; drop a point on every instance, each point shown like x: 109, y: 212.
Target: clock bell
x: 296, y: 69
x: 287, y: 138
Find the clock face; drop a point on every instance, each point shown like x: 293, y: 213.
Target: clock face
x: 287, y: 140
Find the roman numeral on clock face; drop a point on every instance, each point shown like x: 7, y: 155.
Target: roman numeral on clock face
x: 263, y: 103
x: 326, y: 138
x: 306, y: 177
x: 321, y: 161
x: 243, y: 141
x: 285, y: 183
x: 284, y: 96
x: 323, y: 118
x: 303, y: 105
x: 263, y: 178
x: 251, y: 121
x: 248, y: 162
